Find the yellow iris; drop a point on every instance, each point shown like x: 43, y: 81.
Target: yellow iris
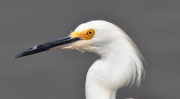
x: 84, y: 35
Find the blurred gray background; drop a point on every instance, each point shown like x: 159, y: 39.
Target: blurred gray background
x: 154, y: 26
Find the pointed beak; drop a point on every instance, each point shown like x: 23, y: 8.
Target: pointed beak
x: 46, y: 46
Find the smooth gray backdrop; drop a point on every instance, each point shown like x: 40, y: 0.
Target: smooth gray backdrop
x: 154, y: 25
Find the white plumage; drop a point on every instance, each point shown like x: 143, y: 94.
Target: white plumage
x: 120, y: 63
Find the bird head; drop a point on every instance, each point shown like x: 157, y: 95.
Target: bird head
x: 94, y: 36
x: 103, y: 38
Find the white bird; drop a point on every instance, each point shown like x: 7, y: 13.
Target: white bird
x: 120, y: 62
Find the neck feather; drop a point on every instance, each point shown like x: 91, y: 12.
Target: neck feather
x: 117, y: 67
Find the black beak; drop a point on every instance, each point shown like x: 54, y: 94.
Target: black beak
x: 47, y: 46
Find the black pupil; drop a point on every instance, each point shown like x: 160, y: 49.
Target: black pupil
x: 90, y: 32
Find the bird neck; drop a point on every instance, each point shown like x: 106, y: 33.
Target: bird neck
x: 105, y: 76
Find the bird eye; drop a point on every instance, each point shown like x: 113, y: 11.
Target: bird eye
x: 90, y: 32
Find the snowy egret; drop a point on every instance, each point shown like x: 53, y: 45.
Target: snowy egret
x: 120, y: 62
